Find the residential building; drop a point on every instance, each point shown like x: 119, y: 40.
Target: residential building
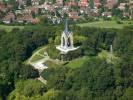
x: 107, y: 14
x: 24, y: 18
x: 131, y: 8
x: 97, y: 3
x: 83, y: 3
x: 35, y: 2
x: 72, y: 3
x: 73, y: 15
x: 21, y: 3
x: 111, y: 3
x: 10, y: 17
x: 2, y: 7
x: 59, y: 2
x: 122, y: 6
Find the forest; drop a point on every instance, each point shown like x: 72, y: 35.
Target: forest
x: 96, y: 79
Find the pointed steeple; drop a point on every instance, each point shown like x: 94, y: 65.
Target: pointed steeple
x: 66, y: 27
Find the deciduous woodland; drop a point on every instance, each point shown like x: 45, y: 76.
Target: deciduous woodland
x: 89, y: 78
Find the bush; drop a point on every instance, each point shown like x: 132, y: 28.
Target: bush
x: 119, y: 22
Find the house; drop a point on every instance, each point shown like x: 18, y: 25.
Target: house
x: 107, y: 14
x: 35, y: 10
x: 131, y: 8
x: 35, y: 21
x: 59, y: 2
x: 44, y: 6
x: 125, y: 14
x: 64, y: 12
x: 131, y: 4
x: 35, y: 2
x: 65, y: 8
x: 83, y: 10
x: 5, y: 8
x: 20, y: 19
x: 72, y: 3
x: 10, y: 17
x: 111, y: 3
x: 122, y: 6
x: 31, y: 9
x: 97, y: 3
x: 56, y: 20
x: 93, y: 13
x: 28, y: 18
x: 50, y: 8
x: 2, y: 7
x: 83, y: 3
x: 73, y: 15
x: 27, y: 10
x: 21, y: 3
x: 25, y: 18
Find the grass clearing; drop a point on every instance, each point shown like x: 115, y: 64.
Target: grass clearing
x: 51, y: 63
x: 106, y: 24
x: 10, y: 28
x: 36, y: 58
x: 36, y: 55
x: 76, y: 63
x: 42, y: 50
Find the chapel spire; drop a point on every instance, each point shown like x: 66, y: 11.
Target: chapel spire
x: 66, y: 40
x: 66, y: 27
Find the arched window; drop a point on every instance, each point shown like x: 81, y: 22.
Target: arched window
x: 69, y: 42
x: 63, y: 41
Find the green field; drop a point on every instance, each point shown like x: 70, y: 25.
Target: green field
x: 76, y: 63
x: 36, y: 58
x: 53, y: 63
x: 106, y: 24
x: 37, y: 55
x: 9, y: 28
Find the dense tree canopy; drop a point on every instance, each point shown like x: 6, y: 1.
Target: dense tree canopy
x: 96, y: 78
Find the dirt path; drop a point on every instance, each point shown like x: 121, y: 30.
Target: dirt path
x: 39, y: 64
x: 37, y: 53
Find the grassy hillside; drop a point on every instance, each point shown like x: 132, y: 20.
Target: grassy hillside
x: 76, y: 63
x: 106, y: 24
x: 9, y: 28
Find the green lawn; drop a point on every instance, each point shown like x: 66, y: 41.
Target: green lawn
x: 36, y: 58
x: 42, y: 50
x: 9, y: 28
x: 51, y: 63
x: 76, y: 63
x: 106, y: 24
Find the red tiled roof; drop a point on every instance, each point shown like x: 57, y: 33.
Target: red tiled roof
x: 83, y: 3
x: 59, y: 2
x: 72, y: 3
x: 97, y: 3
x: 110, y: 3
x: 73, y: 15
x: 9, y: 16
x: 25, y: 17
x: 2, y: 6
